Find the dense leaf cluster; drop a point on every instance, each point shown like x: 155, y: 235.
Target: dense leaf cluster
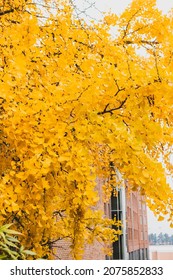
x: 72, y: 101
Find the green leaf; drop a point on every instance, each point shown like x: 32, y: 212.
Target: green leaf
x: 3, y: 236
x: 11, y: 231
x: 11, y: 244
x: 4, y: 227
x: 28, y: 252
x: 13, y: 239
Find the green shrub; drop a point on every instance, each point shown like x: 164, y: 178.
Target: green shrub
x: 10, y: 247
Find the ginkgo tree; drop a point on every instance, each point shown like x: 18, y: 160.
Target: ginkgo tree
x: 77, y: 104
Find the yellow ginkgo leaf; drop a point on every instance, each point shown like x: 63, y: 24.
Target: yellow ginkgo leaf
x: 160, y: 218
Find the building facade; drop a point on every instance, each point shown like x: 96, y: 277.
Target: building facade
x: 133, y: 244
x: 161, y: 252
x: 137, y: 227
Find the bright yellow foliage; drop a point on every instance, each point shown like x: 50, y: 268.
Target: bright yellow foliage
x: 76, y: 105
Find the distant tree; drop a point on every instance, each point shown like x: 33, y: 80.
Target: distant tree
x: 155, y: 239
x: 151, y: 238
x: 160, y: 238
x: 166, y: 239
x: 171, y: 240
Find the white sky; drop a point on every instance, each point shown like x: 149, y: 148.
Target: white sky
x: 117, y: 6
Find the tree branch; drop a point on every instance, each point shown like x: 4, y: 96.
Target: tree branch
x: 105, y: 111
x: 151, y: 43
x: 6, y: 12
x: 128, y: 23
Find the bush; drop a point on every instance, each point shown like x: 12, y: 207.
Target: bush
x: 10, y: 247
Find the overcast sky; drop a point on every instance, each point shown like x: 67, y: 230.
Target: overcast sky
x: 94, y: 9
x: 117, y: 6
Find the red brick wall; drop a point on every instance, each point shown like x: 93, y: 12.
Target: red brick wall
x: 91, y: 252
x: 137, y: 227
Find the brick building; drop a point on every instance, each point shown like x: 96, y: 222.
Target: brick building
x: 130, y: 208
x: 161, y: 252
x: 137, y: 227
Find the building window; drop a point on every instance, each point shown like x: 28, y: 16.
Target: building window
x: 116, y: 210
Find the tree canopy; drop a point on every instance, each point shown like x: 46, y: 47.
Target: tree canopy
x: 77, y: 104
